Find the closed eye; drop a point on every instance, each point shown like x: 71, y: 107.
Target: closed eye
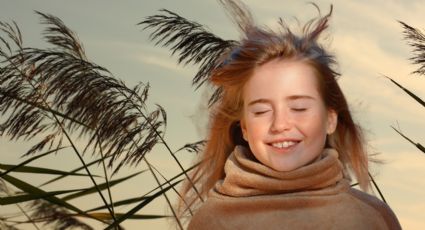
x: 299, y: 109
x: 261, y: 112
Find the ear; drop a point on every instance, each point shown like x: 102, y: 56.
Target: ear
x: 244, y: 132
x: 332, y: 121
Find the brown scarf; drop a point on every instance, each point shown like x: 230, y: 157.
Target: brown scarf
x: 247, y: 177
x: 315, y: 196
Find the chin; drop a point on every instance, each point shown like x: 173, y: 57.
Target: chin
x: 284, y: 168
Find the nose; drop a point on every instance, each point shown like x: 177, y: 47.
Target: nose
x: 281, y: 122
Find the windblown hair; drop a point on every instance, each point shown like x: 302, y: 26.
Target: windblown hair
x: 234, y: 68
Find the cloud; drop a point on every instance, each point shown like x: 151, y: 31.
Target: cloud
x: 160, y: 62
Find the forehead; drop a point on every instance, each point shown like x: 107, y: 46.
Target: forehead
x: 282, y: 78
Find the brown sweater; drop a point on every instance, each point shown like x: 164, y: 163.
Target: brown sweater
x: 316, y: 196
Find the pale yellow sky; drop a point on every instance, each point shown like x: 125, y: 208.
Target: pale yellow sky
x: 365, y: 37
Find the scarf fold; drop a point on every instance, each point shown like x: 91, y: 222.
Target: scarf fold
x: 247, y: 177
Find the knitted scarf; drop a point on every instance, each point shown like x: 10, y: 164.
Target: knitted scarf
x: 315, y: 196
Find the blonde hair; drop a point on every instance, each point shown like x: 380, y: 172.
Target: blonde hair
x: 259, y: 46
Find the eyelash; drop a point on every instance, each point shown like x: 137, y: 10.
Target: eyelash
x: 299, y: 109
x: 260, y: 112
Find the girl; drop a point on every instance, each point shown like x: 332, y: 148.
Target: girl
x: 282, y: 142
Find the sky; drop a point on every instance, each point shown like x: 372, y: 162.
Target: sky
x: 364, y: 35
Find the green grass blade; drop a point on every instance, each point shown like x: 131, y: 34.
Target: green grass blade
x: 34, y: 196
x: 140, y: 206
x: 377, y: 188
x: 144, y: 197
x: 121, y: 203
x: 144, y: 217
x: 100, y: 186
x: 418, y: 145
x: 38, y: 170
x: 30, y: 160
x: 107, y: 217
x: 73, y: 171
x: 418, y: 99
x: 25, y: 187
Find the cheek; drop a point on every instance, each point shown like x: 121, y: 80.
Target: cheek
x: 254, y: 128
x: 251, y: 130
x: 313, y: 126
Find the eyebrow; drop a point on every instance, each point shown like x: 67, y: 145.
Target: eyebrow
x: 297, y: 97
x: 290, y: 98
x: 259, y: 101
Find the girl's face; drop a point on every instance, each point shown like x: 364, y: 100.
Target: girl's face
x: 284, y: 118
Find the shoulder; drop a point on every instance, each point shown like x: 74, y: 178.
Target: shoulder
x: 382, y: 208
x: 207, y: 216
x: 217, y: 212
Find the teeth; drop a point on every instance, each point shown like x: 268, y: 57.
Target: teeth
x: 284, y: 144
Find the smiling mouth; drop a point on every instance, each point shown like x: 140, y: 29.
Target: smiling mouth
x: 284, y: 144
